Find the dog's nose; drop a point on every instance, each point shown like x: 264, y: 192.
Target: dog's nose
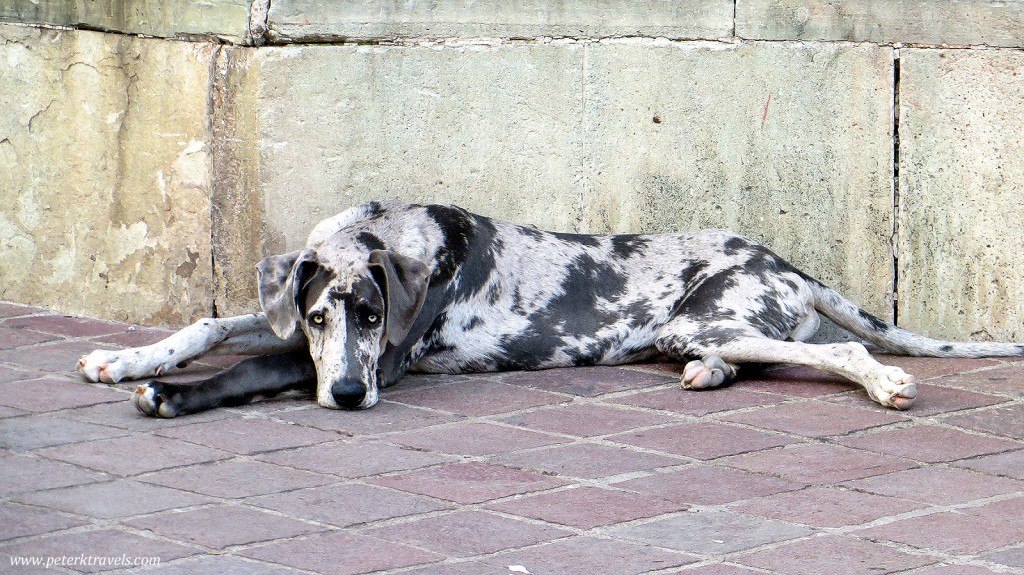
x: 348, y: 393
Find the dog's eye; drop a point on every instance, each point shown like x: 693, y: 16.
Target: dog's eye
x: 372, y: 318
x: 317, y: 318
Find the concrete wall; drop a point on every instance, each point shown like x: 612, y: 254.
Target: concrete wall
x: 146, y: 176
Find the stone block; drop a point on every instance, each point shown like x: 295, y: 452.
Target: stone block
x: 323, y: 20
x: 493, y: 129
x: 961, y: 270
x: 224, y: 19
x: 788, y: 143
x: 108, y: 212
x: 954, y: 22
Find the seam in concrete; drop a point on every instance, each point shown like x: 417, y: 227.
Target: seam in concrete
x: 259, y: 22
x: 212, y: 114
x: 895, y: 185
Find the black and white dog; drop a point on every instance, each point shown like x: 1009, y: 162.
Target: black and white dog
x: 385, y: 288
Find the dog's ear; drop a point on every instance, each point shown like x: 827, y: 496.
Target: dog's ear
x: 403, y: 281
x: 281, y: 282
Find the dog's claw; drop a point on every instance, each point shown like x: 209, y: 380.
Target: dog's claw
x: 147, y: 400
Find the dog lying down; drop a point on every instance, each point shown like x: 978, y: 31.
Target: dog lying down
x: 386, y: 288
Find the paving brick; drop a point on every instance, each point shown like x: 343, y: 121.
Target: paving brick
x: 249, y: 436
x: 588, y: 507
x: 924, y: 368
x: 355, y: 459
x: 9, y: 309
x: 721, y: 569
x: 50, y: 394
x: 474, y: 438
x: 221, y: 565
x: 347, y: 505
x: 120, y: 498
x: 1004, y: 420
x: 11, y: 338
x: 833, y: 554
x: 341, y: 554
x: 1001, y: 381
x: 819, y: 464
x: 66, y: 326
x: 58, y: 358
x: 709, y: 485
x: 797, y: 381
x: 929, y: 443
x: 123, y: 415
x: 24, y: 473
x: 1008, y: 510
x: 703, y: 440
x: 476, y: 397
x: 468, y: 483
x: 385, y: 417
x: 711, y: 532
x: 10, y: 412
x: 587, y: 460
x: 1006, y: 464
x: 825, y: 507
x: 134, y: 336
x: 468, y: 533
x: 36, y: 431
x: 21, y: 521
x: 955, y: 570
x: 102, y: 545
x: 222, y: 525
x: 462, y: 567
x: 133, y: 455
x: 8, y: 374
x: 1008, y: 557
x: 589, y: 555
x: 586, y: 420
x: 814, y: 418
x: 587, y: 381
x: 696, y: 402
x: 931, y: 400
x: 236, y: 478
x: 950, y: 532
x: 938, y: 485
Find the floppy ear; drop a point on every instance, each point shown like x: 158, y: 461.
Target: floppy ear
x: 281, y: 281
x: 404, y: 283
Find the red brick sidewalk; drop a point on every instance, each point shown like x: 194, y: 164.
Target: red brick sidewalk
x: 591, y: 471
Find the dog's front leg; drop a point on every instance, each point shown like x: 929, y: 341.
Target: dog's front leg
x: 240, y: 334
x: 264, y: 376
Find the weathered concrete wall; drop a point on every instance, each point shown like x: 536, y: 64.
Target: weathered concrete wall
x: 773, y: 117
x: 105, y: 179
x: 962, y: 193
x: 223, y: 19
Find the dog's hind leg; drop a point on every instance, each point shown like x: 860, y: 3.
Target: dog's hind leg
x: 733, y: 343
x: 263, y: 376
x: 248, y: 334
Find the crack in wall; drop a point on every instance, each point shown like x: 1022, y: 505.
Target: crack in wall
x: 895, y: 185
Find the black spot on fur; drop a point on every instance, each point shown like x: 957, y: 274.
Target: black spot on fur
x: 373, y: 209
x: 370, y: 241
x: 946, y: 348
x: 625, y: 246
x: 574, y: 313
x: 473, y: 323
x: 734, y: 245
x: 876, y: 324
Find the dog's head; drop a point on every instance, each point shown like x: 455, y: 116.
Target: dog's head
x: 350, y: 305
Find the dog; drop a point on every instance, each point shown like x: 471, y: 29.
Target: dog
x: 386, y: 288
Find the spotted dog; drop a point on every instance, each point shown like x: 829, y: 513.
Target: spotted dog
x: 386, y: 288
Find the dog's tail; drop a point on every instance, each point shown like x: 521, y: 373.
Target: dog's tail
x: 847, y: 315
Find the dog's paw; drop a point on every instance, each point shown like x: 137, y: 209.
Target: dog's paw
x: 101, y: 366
x: 150, y: 399
x: 708, y: 372
x: 894, y: 388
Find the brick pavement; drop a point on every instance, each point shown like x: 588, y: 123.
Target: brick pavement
x: 592, y: 471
